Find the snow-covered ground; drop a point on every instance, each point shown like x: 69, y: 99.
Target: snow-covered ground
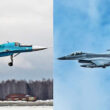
x: 26, y: 108
x: 25, y: 103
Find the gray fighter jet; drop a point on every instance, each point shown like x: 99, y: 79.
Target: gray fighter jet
x: 89, y: 60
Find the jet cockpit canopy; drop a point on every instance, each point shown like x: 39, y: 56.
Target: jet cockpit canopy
x: 17, y: 44
x: 77, y: 53
x: 22, y: 45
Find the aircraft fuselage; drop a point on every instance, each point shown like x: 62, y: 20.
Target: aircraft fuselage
x: 14, y: 48
x: 84, y: 56
x: 89, y: 60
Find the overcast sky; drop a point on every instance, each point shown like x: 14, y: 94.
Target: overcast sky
x: 28, y: 22
x: 81, y: 25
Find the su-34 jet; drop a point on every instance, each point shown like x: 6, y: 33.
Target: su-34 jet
x: 89, y: 60
x: 13, y: 49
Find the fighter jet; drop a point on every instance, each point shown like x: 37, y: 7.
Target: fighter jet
x: 13, y: 49
x: 89, y: 60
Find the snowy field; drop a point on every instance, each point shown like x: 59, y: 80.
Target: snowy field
x: 26, y: 108
x: 25, y: 103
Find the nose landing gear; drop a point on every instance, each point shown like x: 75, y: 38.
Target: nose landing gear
x: 11, y: 63
x: 11, y: 57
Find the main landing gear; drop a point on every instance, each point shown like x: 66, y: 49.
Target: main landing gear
x: 11, y: 63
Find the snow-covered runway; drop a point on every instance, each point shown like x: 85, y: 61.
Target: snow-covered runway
x: 26, y: 108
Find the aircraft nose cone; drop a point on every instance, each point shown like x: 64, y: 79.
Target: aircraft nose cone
x: 62, y: 58
x: 36, y: 48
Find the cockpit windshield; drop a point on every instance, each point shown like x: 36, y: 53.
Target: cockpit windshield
x: 21, y: 45
x: 77, y: 53
x: 17, y: 44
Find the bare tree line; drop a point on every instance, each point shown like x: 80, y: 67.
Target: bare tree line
x: 43, y: 90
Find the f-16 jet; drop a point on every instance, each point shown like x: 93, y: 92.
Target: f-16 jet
x: 13, y: 49
x: 89, y: 60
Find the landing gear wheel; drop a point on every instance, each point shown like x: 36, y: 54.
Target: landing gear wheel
x: 10, y: 64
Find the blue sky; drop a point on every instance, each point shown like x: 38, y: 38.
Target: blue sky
x: 81, y: 25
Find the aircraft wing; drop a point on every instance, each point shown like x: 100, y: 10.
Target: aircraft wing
x: 101, y: 62
x: 95, y: 63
